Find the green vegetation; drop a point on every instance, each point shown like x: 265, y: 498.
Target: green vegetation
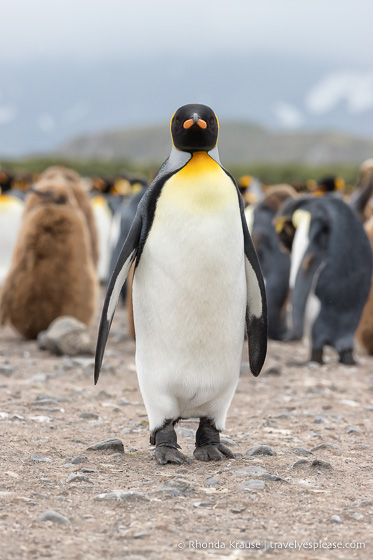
x: 269, y: 173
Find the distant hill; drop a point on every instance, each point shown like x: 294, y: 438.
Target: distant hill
x: 239, y: 143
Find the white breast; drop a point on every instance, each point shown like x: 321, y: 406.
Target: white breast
x: 189, y: 304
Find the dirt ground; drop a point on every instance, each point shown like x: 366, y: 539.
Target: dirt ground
x: 50, y: 412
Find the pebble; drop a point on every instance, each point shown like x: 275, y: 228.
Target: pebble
x: 121, y: 496
x: 251, y: 471
x: 301, y: 451
x: 211, y: 481
x: 141, y: 534
x: 282, y: 416
x: 41, y: 419
x: 124, y: 401
x: 78, y: 478
x: 89, y: 416
x: 85, y: 470
x: 352, y: 430
x: 320, y: 420
x: 76, y: 460
x: 336, y: 519
x: 300, y: 463
x: 53, y: 516
x: 6, y: 369
x: 365, y: 503
x: 4, y: 415
x: 253, y: 484
x: 321, y: 464
x: 353, y: 515
x: 40, y: 459
x: 112, y: 444
x: 274, y: 370
x: 203, y: 504
x: 176, y: 487
x: 126, y: 431
x: 260, y: 450
x: 66, y: 335
x: 330, y: 446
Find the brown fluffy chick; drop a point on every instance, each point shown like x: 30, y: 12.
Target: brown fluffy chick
x: 75, y: 181
x: 52, y: 271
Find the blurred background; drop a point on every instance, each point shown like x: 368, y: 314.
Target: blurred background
x: 93, y: 84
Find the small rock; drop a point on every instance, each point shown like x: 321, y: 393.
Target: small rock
x: 336, y: 519
x: 4, y: 415
x: 6, y: 369
x: 141, y: 534
x: 282, y: 416
x: 124, y: 402
x: 274, y: 370
x: 53, y: 516
x: 330, y: 446
x: 40, y: 459
x: 251, y: 471
x: 78, y: 478
x: 121, y: 496
x: 365, y: 503
x: 273, y: 478
x: 211, y: 481
x: 203, y: 504
x: 352, y: 430
x: 126, y: 431
x: 320, y: 420
x: 176, y: 487
x: 76, y: 460
x: 41, y: 419
x: 300, y: 463
x: 85, y: 470
x: 301, y: 451
x: 260, y: 450
x: 252, y: 484
x: 112, y: 444
x: 318, y: 463
x: 353, y: 515
x: 89, y: 416
x: 66, y: 335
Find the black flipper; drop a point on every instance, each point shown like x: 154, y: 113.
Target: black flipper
x: 120, y: 273
x: 256, y: 304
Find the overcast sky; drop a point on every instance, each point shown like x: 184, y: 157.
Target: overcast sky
x: 88, y: 29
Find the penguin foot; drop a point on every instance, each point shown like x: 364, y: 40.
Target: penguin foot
x: 208, y: 446
x: 346, y: 357
x: 165, y: 454
x: 213, y: 452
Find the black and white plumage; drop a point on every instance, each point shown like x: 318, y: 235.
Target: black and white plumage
x: 197, y: 281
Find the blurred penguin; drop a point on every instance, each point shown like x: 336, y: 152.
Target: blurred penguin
x: 330, y: 185
x: 274, y: 262
x: 330, y: 275
x: 360, y: 199
x: 11, y: 210
x: 52, y: 271
x: 364, y: 333
x: 82, y: 197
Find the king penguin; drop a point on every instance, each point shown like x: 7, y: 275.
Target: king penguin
x: 330, y: 274
x: 197, y: 282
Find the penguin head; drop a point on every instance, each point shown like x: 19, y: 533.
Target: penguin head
x: 194, y: 128
x: 47, y: 192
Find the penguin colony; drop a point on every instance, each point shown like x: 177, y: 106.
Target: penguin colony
x: 52, y: 271
x: 196, y: 274
x: 197, y: 282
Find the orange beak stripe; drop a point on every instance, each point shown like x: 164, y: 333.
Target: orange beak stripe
x: 190, y: 122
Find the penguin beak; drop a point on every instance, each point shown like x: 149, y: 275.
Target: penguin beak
x: 195, y: 120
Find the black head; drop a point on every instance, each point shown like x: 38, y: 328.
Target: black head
x: 194, y: 128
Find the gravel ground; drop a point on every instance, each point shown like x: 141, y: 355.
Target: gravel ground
x: 310, y: 496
